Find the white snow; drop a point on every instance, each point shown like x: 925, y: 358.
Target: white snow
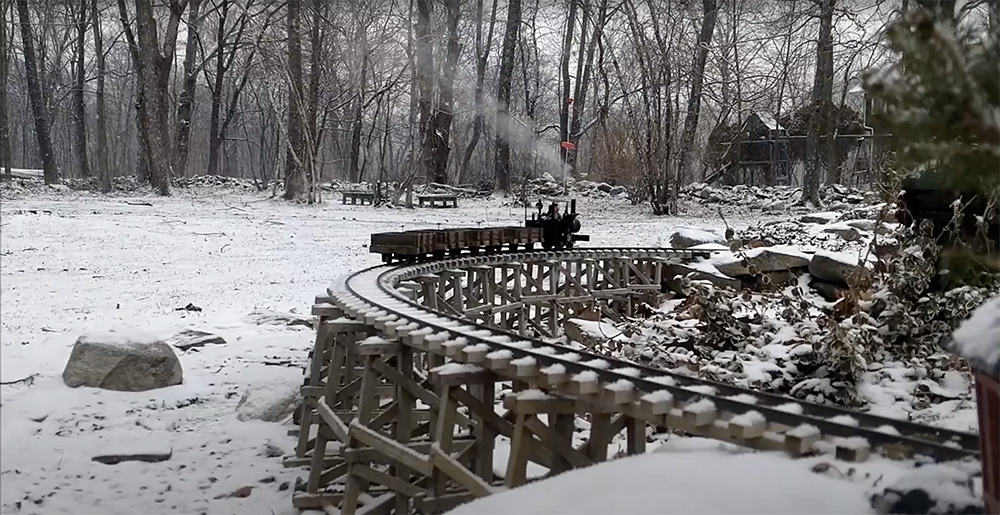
x: 978, y: 338
x: 81, y: 263
x: 123, y: 336
x: 599, y: 330
x: 700, y: 406
x: 840, y: 257
x: 621, y: 385
x: 532, y: 395
x: 455, y: 368
x: 682, y: 483
x: 699, y: 235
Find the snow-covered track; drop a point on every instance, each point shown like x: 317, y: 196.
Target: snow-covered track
x: 474, y: 313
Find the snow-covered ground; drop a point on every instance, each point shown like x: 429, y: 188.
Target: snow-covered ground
x: 74, y: 262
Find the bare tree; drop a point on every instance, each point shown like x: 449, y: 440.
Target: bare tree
x: 153, y: 61
x: 710, y: 12
x: 820, y: 119
x: 5, y: 155
x: 49, y: 171
x: 444, y: 110
x: 185, y: 104
x: 294, y: 179
x: 482, y: 56
x: 100, y: 107
x: 501, y: 163
x: 79, y: 100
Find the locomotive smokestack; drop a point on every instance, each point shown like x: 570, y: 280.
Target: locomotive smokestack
x: 572, y: 205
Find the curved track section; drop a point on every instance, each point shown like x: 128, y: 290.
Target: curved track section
x: 373, y: 294
x: 407, y: 359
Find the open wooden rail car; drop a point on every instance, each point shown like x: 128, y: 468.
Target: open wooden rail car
x: 549, y: 229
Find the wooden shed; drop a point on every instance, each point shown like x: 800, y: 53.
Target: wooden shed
x: 978, y: 340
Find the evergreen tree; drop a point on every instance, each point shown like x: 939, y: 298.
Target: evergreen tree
x: 941, y: 99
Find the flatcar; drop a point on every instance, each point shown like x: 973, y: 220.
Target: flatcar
x: 551, y: 229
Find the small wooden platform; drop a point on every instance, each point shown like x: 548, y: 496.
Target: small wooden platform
x: 442, y: 200
x: 358, y: 197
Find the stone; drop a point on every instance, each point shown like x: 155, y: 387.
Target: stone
x: 846, y: 233
x: 686, y: 238
x: 829, y: 291
x: 114, y: 459
x: 269, y: 403
x: 869, y: 225
x: 763, y: 259
x: 835, y: 268
x: 617, y: 190
x: 705, y: 192
x: 672, y: 282
x: 194, y: 339
x: 581, y: 331
x: 605, y: 187
x: 819, y: 218
x: 127, y: 362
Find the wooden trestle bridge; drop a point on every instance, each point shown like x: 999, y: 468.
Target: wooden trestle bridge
x: 400, y: 410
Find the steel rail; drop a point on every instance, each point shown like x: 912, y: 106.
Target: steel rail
x: 374, y: 291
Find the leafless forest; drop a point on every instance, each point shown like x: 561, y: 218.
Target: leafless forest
x: 649, y: 94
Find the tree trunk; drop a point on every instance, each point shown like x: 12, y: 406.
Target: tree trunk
x: 185, y: 104
x: 214, y: 134
x: 100, y: 108
x: 79, y: 102
x: 357, y: 113
x: 425, y: 85
x: 822, y: 92
x: 501, y: 163
x: 49, y: 171
x: 583, y: 80
x: 296, y: 104
x: 444, y: 114
x: 154, y: 74
x: 710, y: 11
x: 482, y: 56
x: 564, y: 101
x: 5, y: 155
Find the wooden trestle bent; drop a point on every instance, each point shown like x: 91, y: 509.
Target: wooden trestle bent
x: 400, y: 402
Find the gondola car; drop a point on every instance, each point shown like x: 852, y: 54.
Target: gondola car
x: 551, y: 229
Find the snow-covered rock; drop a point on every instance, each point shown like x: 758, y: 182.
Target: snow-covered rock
x: 760, y: 260
x: 931, y: 489
x: 819, y: 218
x: 687, y: 237
x: 673, y: 270
x: 268, y: 317
x: 591, y: 334
x: 844, y: 231
x: 834, y: 267
x: 122, y: 361
x: 194, y: 339
x: 978, y: 338
x: 269, y: 403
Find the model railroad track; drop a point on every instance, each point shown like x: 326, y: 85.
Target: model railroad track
x: 724, y: 412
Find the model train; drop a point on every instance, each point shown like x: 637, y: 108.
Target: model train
x: 551, y: 229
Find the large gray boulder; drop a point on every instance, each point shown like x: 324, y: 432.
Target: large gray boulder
x: 836, y: 268
x: 126, y: 362
x: 763, y: 259
x: 686, y: 237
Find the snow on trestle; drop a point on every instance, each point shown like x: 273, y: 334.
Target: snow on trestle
x: 455, y: 368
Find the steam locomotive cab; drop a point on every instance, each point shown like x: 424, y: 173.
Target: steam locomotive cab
x: 559, y: 230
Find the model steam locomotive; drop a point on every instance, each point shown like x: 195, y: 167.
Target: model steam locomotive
x: 551, y: 228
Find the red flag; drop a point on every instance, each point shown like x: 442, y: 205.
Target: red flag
x: 568, y: 145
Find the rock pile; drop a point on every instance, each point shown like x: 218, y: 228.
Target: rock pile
x: 771, y: 198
